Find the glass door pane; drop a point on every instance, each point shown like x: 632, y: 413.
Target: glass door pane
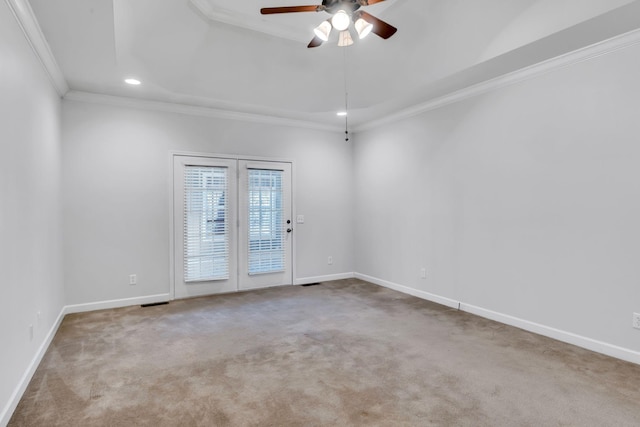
x: 266, y: 222
x: 206, y: 237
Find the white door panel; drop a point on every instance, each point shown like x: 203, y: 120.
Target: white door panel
x: 205, y: 232
x: 265, y: 232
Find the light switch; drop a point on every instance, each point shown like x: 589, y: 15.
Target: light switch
x: 300, y: 219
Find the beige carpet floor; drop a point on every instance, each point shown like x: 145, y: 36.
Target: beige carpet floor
x: 344, y: 353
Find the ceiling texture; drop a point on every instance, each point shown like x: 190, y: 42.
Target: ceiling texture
x: 225, y: 55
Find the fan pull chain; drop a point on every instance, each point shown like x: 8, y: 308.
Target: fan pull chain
x: 346, y: 100
x: 346, y: 117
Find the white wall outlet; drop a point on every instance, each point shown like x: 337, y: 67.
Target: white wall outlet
x: 330, y: 260
x: 300, y: 219
x: 133, y: 279
x: 423, y: 273
x: 636, y: 320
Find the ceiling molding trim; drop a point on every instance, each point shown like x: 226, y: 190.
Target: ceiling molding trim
x: 247, y: 22
x: 27, y: 20
x: 192, y: 110
x: 587, y: 53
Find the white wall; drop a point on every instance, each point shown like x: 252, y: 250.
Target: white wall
x: 30, y: 237
x: 116, y: 197
x: 524, y: 201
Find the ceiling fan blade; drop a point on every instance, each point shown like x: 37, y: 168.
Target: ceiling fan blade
x: 315, y: 42
x: 368, y: 2
x: 290, y: 9
x: 380, y: 27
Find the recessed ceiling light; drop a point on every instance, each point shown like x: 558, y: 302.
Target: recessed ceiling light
x: 342, y: 113
x: 134, y: 82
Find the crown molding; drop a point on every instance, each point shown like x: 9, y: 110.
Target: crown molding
x: 248, y: 22
x: 26, y: 19
x: 192, y: 110
x: 587, y: 53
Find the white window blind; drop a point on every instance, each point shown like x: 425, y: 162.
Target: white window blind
x: 206, y: 228
x: 266, y: 221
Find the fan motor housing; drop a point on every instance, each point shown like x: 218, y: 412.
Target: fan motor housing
x: 332, y: 6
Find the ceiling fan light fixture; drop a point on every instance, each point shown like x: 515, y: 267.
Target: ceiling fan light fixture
x: 323, y: 30
x: 363, y: 28
x: 345, y: 39
x: 340, y: 20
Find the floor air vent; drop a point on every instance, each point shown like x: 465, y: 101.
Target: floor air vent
x: 153, y: 304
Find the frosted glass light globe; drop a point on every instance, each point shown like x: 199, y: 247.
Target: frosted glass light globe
x: 322, y: 31
x: 340, y: 20
x: 363, y: 28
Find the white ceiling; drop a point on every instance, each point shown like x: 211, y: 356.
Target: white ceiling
x: 224, y: 54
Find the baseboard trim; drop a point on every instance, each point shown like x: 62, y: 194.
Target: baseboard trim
x: 116, y: 303
x: 601, y: 347
x: 411, y: 291
x: 11, y: 406
x: 326, y: 278
x: 557, y: 334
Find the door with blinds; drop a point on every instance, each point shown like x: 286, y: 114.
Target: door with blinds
x: 232, y: 225
x: 205, y: 235
x: 266, y: 227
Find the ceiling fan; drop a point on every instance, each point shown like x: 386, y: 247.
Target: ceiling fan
x: 343, y: 13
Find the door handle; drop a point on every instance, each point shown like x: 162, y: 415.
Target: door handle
x: 289, y: 230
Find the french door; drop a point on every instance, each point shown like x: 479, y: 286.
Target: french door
x: 265, y: 224
x: 232, y: 225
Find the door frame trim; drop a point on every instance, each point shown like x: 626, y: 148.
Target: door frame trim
x: 237, y: 157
